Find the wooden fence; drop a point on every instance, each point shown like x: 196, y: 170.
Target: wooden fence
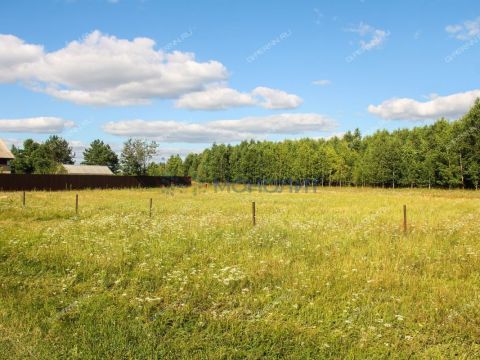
x: 21, y: 182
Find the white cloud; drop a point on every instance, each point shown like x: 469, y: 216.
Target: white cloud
x: 78, y: 148
x: 43, y: 125
x: 465, y: 31
x: 376, y: 37
x: 15, y: 57
x: 450, y: 106
x: 276, y: 99
x: 220, y: 98
x: 292, y: 123
x: 217, y: 98
x: 163, y: 153
x: 339, y: 135
x: 104, y: 70
x: 222, y: 130
x: 321, y: 82
x: 171, y: 131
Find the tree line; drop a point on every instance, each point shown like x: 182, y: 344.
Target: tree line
x: 445, y: 154
x: 135, y: 158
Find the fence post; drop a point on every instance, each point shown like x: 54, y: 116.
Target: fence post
x: 24, y: 200
x: 405, y: 219
x: 151, y: 204
x: 76, y: 204
x: 253, y: 213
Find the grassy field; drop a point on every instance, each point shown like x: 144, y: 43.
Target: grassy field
x: 324, y: 275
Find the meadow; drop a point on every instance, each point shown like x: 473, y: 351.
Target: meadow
x: 329, y: 274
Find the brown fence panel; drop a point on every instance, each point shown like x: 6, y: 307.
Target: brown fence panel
x: 21, y: 182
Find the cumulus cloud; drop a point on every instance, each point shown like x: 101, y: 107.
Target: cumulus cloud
x: 170, y: 131
x: 220, y: 98
x: 294, y: 123
x: 165, y: 152
x: 371, y: 37
x: 100, y: 69
x: 276, y: 99
x: 222, y: 130
x: 465, y: 31
x: 42, y: 125
x: 15, y: 57
x: 451, y: 106
x: 104, y: 70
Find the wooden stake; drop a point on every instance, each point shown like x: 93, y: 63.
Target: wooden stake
x: 405, y: 219
x: 151, y: 204
x: 253, y: 214
x: 24, y: 200
x: 76, y: 204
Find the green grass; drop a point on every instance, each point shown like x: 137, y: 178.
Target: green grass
x: 324, y: 275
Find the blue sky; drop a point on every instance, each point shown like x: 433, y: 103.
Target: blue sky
x: 204, y: 71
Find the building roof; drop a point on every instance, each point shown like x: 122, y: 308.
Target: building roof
x: 4, y: 152
x: 87, y: 170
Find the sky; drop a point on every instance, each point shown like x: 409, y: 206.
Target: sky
x: 191, y: 73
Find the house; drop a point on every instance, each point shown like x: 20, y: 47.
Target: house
x: 5, y: 157
x: 87, y: 170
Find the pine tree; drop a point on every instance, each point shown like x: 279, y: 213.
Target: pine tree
x: 99, y: 153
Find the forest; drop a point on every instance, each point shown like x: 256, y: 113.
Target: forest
x: 445, y: 154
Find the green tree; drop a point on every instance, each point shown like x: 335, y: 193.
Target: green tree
x: 23, y: 162
x: 136, y: 155
x: 38, y: 158
x: 174, y: 166
x: 99, y: 153
x: 190, y: 165
x: 467, y: 144
x: 156, y: 169
x: 59, y: 150
x: 43, y: 161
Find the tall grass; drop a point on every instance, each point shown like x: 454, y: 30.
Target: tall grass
x: 323, y: 275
